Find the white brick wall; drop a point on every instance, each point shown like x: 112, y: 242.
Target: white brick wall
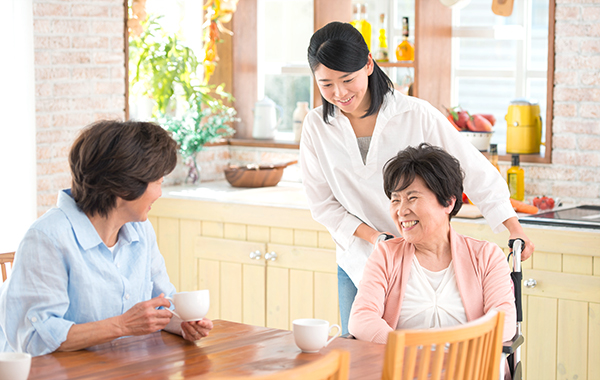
x: 79, y: 73
x: 574, y: 175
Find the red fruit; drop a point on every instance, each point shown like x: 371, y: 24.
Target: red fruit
x: 481, y: 123
x: 471, y: 125
x: 463, y: 118
x: 465, y: 199
x: 543, y: 203
x: 490, y: 118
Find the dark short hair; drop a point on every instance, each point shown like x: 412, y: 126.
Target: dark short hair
x: 111, y: 159
x: 340, y: 46
x: 440, y: 171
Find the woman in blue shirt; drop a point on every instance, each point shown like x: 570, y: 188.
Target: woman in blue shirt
x: 89, y: 270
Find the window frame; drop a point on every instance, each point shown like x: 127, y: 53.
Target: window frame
x: 521, y: 80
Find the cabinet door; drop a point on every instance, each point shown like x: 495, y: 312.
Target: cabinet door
x: 562, y: 326
x: 235, y: 280
x: 301, y: 283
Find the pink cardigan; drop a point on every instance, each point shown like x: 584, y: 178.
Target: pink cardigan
x: 482, y: 276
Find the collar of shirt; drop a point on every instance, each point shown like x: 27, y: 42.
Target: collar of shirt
x: 83, y: 228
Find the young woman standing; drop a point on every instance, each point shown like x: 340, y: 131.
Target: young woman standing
x: 345, y: 143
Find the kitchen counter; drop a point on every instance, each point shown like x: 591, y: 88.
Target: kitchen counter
x: 285, y: 194
x: 291, y: 195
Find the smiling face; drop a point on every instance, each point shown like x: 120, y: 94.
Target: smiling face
x: 418, y: 214
x: 137, y: 209
x: 348, y: 91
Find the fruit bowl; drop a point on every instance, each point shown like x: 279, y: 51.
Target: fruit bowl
x: 481, y: 140
x: 255, y: 175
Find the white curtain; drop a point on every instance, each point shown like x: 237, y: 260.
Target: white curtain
x: 17, y: 123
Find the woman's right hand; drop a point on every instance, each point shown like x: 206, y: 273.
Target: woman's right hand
x: 144, y: 317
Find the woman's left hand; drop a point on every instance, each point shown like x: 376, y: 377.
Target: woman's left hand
x: 516, y: 232
x: 196, y: 330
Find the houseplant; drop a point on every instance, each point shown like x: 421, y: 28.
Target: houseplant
x: 205, y: 122
x: 164, y: 69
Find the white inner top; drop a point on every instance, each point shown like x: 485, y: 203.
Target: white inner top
x: 431, y: 299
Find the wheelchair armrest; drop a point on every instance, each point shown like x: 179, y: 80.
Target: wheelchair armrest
x: 347, y: 336
x: 510, y: 346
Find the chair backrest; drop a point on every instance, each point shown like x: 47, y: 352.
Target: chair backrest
x: 333, y: 366
x: 471, y: 351
x: 6, y: 258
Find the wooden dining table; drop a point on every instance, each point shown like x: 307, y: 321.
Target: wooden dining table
x: 231, y: 349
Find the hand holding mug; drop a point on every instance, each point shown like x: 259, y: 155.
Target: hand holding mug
x: 190, y: 306
x: 196, y: 330
x: 144, y: 317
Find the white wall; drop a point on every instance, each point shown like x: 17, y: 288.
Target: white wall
x: 17, y: 123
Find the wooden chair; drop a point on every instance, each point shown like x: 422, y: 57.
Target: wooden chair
x: 333, y: 366
x: 6, y: 258
x: 467, y: 352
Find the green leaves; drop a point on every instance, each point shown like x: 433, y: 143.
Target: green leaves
x: 200, y: 125
x: 162, y: 63
x: 164, y: 68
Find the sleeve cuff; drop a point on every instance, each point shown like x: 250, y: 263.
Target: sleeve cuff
x: 499, y: 215
x: 48, y: 335
x: 344, y: 236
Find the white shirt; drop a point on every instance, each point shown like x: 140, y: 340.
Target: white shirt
x: 343, y: 191
x: 431, y: 299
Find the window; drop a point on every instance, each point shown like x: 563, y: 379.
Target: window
x: 284, y: 30
x: 498, y: 59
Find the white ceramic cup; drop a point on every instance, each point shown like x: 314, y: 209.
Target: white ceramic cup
x: 311, y: 335
x: 14, y: 365
x: 190, y: 306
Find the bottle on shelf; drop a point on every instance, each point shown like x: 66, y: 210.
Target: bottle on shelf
x: 494, y: 155
x: 381, y: 55
x: 515, y: 177
x: 360, y: 22
x: 298, y: 118
x: 405, y: 51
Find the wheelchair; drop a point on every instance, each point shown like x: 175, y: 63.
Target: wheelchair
x: 512, y: 349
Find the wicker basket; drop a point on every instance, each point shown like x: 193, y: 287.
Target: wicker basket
x: 255, y: 175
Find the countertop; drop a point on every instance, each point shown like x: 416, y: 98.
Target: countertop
x: 289, y: 195
x: 285, y: 194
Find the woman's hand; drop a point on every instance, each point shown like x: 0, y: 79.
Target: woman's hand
x: 196, y: 330
x: 516, y: 232
x: 144, y: 317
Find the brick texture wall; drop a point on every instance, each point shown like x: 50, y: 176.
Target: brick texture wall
x: 79, y: 75
x: 574, y: 175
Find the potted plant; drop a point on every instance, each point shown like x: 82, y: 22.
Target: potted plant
x: 205, y: 122
x: 165, y: 69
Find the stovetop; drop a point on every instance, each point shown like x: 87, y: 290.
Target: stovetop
x: 586, y: 216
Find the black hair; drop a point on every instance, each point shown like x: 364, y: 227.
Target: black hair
x: 440, y: 171
x: 340, y: 46
x: 111, y: 159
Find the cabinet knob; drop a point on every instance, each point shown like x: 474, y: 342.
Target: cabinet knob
x: 271, y: 256
x: 255, y: 255
x: 531, y: 283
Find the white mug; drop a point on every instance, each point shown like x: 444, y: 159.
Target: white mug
x: 311, y: 335
x: 14, y: 365
x: 190, y: 306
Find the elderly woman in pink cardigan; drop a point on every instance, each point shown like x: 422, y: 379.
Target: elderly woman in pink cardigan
x: 431, y: 276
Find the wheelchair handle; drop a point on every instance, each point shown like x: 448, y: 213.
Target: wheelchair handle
x: 517, y: 246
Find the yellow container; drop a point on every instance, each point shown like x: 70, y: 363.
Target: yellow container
x: 523, y: 127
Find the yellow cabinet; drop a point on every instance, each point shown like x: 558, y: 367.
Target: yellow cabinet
x: 561, y: 301
x: 264, y: 266
x: 267, y: 284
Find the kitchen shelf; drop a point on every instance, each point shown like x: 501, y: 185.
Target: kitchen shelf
x: 410, y: 64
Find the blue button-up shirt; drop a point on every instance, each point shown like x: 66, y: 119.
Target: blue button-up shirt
x: 64, y: 274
